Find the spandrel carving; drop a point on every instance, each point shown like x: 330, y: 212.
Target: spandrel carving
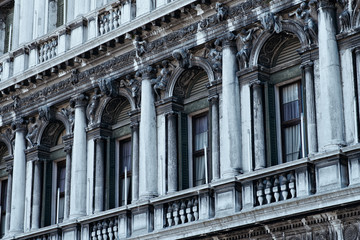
x: 271, y: 23
x: 162, y: 80
x: 140, y: 46
x: 93, y: 105
x: 33, y: 130
x: 183, y: 57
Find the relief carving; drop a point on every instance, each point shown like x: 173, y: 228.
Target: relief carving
x: 93, y: 106
x: 246, y: 37
x: 183, y: 57
x: 214, y: 54
x: 134, y: 86
x: 69, y: 114
x: 221, y: 12
x: 271, y: 23
x: 161, y: 81
x: 140, y: 46
x: 33, y: 130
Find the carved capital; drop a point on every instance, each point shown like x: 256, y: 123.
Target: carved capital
x: 172, y: 114
x: 146, y: 73
x: 134, y: 125
x: 9, y: 168
x: 226, y: 41
x: 79, y: 101
x: 214, y: 99
x: 357, y: 51
x: 20, y: 124
x: 307, y: 65
x: 325, y: 3
x: 256, y: 83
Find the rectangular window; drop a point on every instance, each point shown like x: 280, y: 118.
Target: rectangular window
x: 60, y: 13
x: 8, y: 29
x: 290, y: 108
x: 3, y: 197
x: 60, y: 191
x: 200, y: 143
x: 125, y: 170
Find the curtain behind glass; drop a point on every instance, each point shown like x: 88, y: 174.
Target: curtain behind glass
x: 200, y: 141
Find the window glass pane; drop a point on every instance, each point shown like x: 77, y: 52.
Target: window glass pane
x: 199, y: 170
x: 61, y: 209
x: 3, y: 195
x: 128, y: 183
x: 61, y: 177
x: 125, y: 156
x: 9, y: 30
x: 292, y: 142
x: 201, y: 132
x: 290, y: 102
x: 60, y: 13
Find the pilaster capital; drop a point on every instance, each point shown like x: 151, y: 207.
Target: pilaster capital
x: 213, y: 99
x: 256, y: 83
x: 307, y: 65
x: 68, y: 148
x: 325, y: 3
x: 20, y: 124
x: 134, y: 125
x: 146, y: 73
x: 79, y: 101
x: 357, y: 51
x: 9, y: 168
x: 171, y: 114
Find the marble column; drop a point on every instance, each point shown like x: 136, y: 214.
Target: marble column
x: 36, y: 196
x: 258, y: 127
x: 19, y: 170
x: 332, y: 119
x: 79, y: 163
x: 99, y: 175
x: 172, y: 165
x: 148, y: 138
x: 308, y: 68
x: 215, y: 151
x: 231, y: 129
x: 67, y: 149
x: 357, y: 63
x: 135, y: 161
x: 9, y: 169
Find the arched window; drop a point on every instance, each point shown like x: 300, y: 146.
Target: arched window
x: 194, y: 158
x: 284, y: 102
x: 119, y: 153
x: 54, y: 179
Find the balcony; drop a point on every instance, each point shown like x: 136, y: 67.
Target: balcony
x: 279, y: 191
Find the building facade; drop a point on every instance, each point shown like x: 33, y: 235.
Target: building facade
x: 191, y: 119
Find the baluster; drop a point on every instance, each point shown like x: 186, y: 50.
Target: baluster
x: 101, y: 28
x: 115, y: 229
x: 104, y: 230
x: 48, y: 51
x: 195, y: 209
x: 111, y: 19
x: 182, y: 211
x: 260, y: 192
x: 276, y: 188
x: 115, y: 19
x: 169, y: 215
x: 284, y: 186
x: 106, y: 22
x: 93, y: 234
x: 268, y: 188
x: 292, y: 185
x: 176, y: 213
x: 110, y: 230
x: 99, y: 227
x: 188, y: 211
x: 119, y: 16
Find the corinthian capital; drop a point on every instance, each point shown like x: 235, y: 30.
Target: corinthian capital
x: 20, y: 124
x: 79, y: 101
x: 147, y: 72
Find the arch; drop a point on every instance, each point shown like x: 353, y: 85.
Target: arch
x: 288, y: 27
x: 4, y: 150
x: 198, y: 62
x: 6, y: 142
x: 51, y: 132
x: 112, y: 109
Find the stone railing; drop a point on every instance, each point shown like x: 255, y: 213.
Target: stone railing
x: 48, y: 49
x: 181, y: 211
x: 109, y: 20
x: 105, y: 229
x: 275, y: 188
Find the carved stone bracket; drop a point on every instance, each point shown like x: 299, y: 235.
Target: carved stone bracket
x: 214, y: 99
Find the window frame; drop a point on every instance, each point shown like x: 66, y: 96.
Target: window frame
x: 191, y: 154
x: 279, y: 122
x: 3, y: 211
x: 119, y: 176
x: 55, y: 178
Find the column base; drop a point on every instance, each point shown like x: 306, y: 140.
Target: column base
x: 231, y: 173
x: 147, y: 196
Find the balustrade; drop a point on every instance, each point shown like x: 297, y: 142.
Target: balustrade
x: 106, y: 229
x: 110, y: 20
x: 48, y: 50
x: 275, y: 188
x: 182, y: 211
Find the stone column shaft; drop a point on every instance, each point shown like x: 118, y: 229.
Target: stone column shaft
x: 172, y: 171
x: 259, y: 129
x: 135, y: 161
x: 36, y: 198
x: 67, y: 182
x: 231, y: 129
x: 357, y: 59
x: 8, y: 200
x: 148, y: 139
x: 99, y: 175
x: 330, y: 81
x: 310, y: 108
x: 79, y: 163
x: 215, y: 151
x: 19, y: 170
